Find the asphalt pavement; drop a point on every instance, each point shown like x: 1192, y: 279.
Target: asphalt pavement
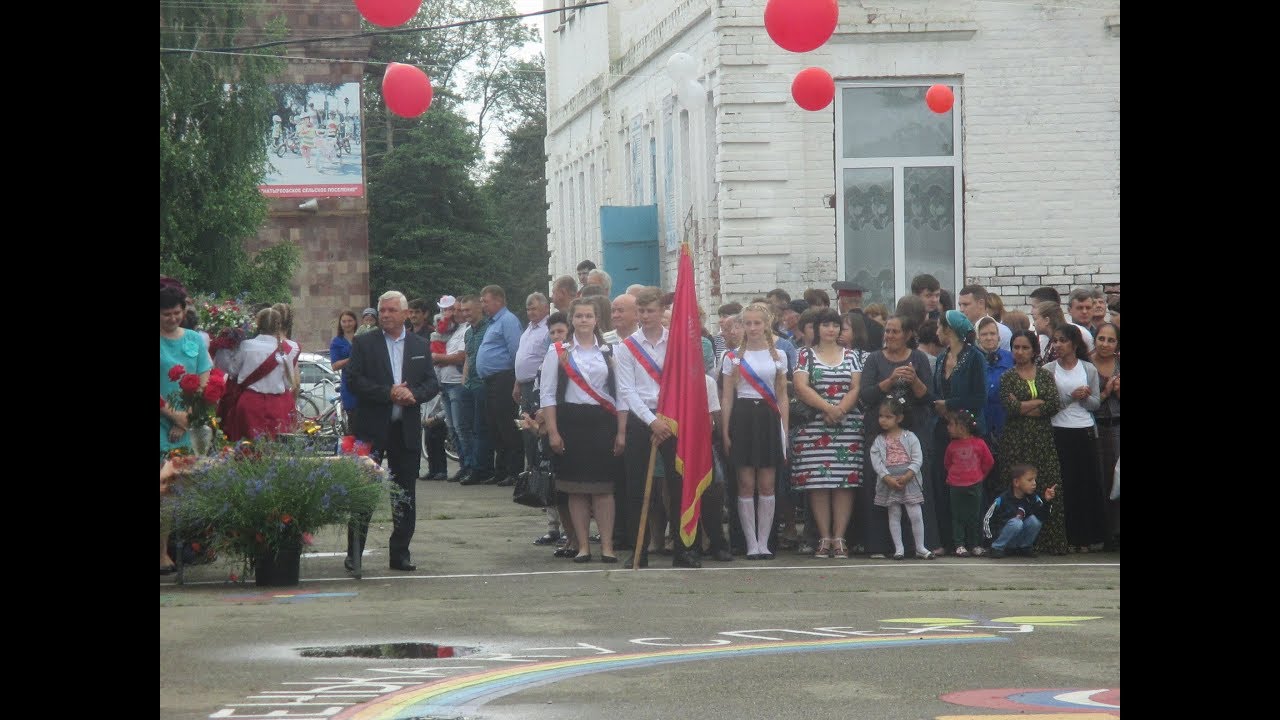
x: 532, y: 636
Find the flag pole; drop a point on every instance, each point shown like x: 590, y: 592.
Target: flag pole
x: 644, y: 509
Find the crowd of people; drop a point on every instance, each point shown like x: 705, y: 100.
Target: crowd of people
x: 997, y: 431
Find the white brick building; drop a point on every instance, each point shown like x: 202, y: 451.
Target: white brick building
x: 1018, y: 186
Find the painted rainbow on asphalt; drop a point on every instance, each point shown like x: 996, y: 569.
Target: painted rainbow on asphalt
x: 475, y: 689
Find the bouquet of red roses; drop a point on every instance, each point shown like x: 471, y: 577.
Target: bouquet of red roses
x: 199, y: 402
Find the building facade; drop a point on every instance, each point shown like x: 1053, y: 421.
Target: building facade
x: 1016, y: 187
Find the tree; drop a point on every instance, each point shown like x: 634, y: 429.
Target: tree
x: 215, y: 111
x: 516, y: 190
x: 430, y: 230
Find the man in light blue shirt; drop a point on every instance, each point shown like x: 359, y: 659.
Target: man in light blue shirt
x: 495, y: 364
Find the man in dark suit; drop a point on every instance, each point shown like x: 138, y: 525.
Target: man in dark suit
x: 391, y: 375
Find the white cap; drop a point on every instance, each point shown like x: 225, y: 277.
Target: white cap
x: 447, y: 301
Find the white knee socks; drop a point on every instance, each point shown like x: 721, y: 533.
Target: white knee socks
x: 764, y: 523
x: 747, y: 515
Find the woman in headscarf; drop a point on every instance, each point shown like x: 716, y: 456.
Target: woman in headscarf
x: 959, y: 383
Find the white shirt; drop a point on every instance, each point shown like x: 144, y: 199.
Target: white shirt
x: 713, y: 395
x: 1084, y: 333
x: 532, y: 351
x: 593, y: 368
x: 634, y: 383
x: 257, y: 349
x: 764, y: 365
x: 1073, y: 414
x: 395, y: 348
x: 452, y: 374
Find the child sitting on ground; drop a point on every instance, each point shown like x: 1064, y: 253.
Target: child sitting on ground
x: 1015, y: 518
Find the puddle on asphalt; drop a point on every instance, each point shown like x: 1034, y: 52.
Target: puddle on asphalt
x: 398, y: 651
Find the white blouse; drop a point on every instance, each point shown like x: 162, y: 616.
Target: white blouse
x: 1073, y: 414
x: 257, y: 349
x: 764, y: 365
x: 591, y: 365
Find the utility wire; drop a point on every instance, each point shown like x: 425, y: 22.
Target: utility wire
x: 378, y: 33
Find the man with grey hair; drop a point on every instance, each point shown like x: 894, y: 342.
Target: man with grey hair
x: 563, y: 291
x: 529, y: 354
x: 634, y: 288
x: 391, y: 375
x: 625, y: 315
x: 601, y: 278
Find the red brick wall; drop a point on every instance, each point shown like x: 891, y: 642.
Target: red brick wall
x: 334, y: 241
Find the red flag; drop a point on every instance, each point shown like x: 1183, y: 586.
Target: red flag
x: 682, y: 399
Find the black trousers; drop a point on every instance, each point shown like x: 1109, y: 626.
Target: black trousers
x: 636, y: 460
x: 508, y: 447
x: 404, y: 463
x: 437, y: 461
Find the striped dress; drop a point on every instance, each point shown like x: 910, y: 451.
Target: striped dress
x: 828, y: 457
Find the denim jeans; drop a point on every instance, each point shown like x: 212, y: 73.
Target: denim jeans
x: 1017, y: 534
x: 452, y: 393
x: 473, y: 423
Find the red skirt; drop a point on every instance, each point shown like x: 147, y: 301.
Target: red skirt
x: 258, y: 414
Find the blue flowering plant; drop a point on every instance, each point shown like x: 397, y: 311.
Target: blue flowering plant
x: 257, y: 498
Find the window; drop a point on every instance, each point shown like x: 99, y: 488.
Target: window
x: 898, y: 176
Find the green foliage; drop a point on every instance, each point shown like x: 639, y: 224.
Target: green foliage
x: 266, y: 496
x: 215, y: 111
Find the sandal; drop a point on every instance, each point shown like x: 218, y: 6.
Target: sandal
x: 899, y: 556
x: 824, y: 548
x: 961, y: 552
x: 928, y: 555
x: 840, y: 552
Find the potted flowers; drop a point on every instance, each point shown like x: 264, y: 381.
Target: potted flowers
x: 263, y: 501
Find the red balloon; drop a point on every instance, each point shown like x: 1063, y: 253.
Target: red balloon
x: 813, y: 88
x: 939, y: 98
x: 801, y: 25
x: 388, y: 13
x: 406, y: 90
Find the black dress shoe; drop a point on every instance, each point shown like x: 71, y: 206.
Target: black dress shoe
x: 584, y: 558
x: 721, y: 555
x: 565, y: 552
x: 549, y: 539
x: 507, y: 481
x: 685, y: 559
x: 350, y: 566
x: 438, y: 477
x: 494, y: 480
x: 460, y: 475
x: 405, y: 566
x: 475, y: 479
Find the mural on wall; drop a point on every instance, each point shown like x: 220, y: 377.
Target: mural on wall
x: 313, y: 146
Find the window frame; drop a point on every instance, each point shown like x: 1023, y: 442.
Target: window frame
x: 902, y: 283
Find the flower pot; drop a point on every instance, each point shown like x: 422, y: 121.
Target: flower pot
x: 201, y: 439
x: 278, y: 570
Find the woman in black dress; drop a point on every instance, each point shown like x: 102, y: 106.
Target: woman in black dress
x: 578, y: 392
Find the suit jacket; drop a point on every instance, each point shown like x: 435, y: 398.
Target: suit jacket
x: 370, y: 379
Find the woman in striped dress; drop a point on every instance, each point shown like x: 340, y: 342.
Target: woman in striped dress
x: 828, y: 449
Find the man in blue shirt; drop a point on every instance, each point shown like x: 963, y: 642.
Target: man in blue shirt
x: 495, y: 364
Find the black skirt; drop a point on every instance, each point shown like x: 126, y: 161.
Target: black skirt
x: 755, y: 434
x: 588, y: 464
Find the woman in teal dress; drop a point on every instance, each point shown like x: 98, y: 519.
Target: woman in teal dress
x: 177, y: 347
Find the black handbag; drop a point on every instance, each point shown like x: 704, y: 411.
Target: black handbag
x: 535, y: 487
x: 799, y: 412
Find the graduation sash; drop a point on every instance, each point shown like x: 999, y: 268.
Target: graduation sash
x: 749, y: 374
x: 645, y: 360
x: 571, y: 370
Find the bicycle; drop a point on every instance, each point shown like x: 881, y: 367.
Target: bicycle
x: 323, y: 430
x: 433, y: 414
